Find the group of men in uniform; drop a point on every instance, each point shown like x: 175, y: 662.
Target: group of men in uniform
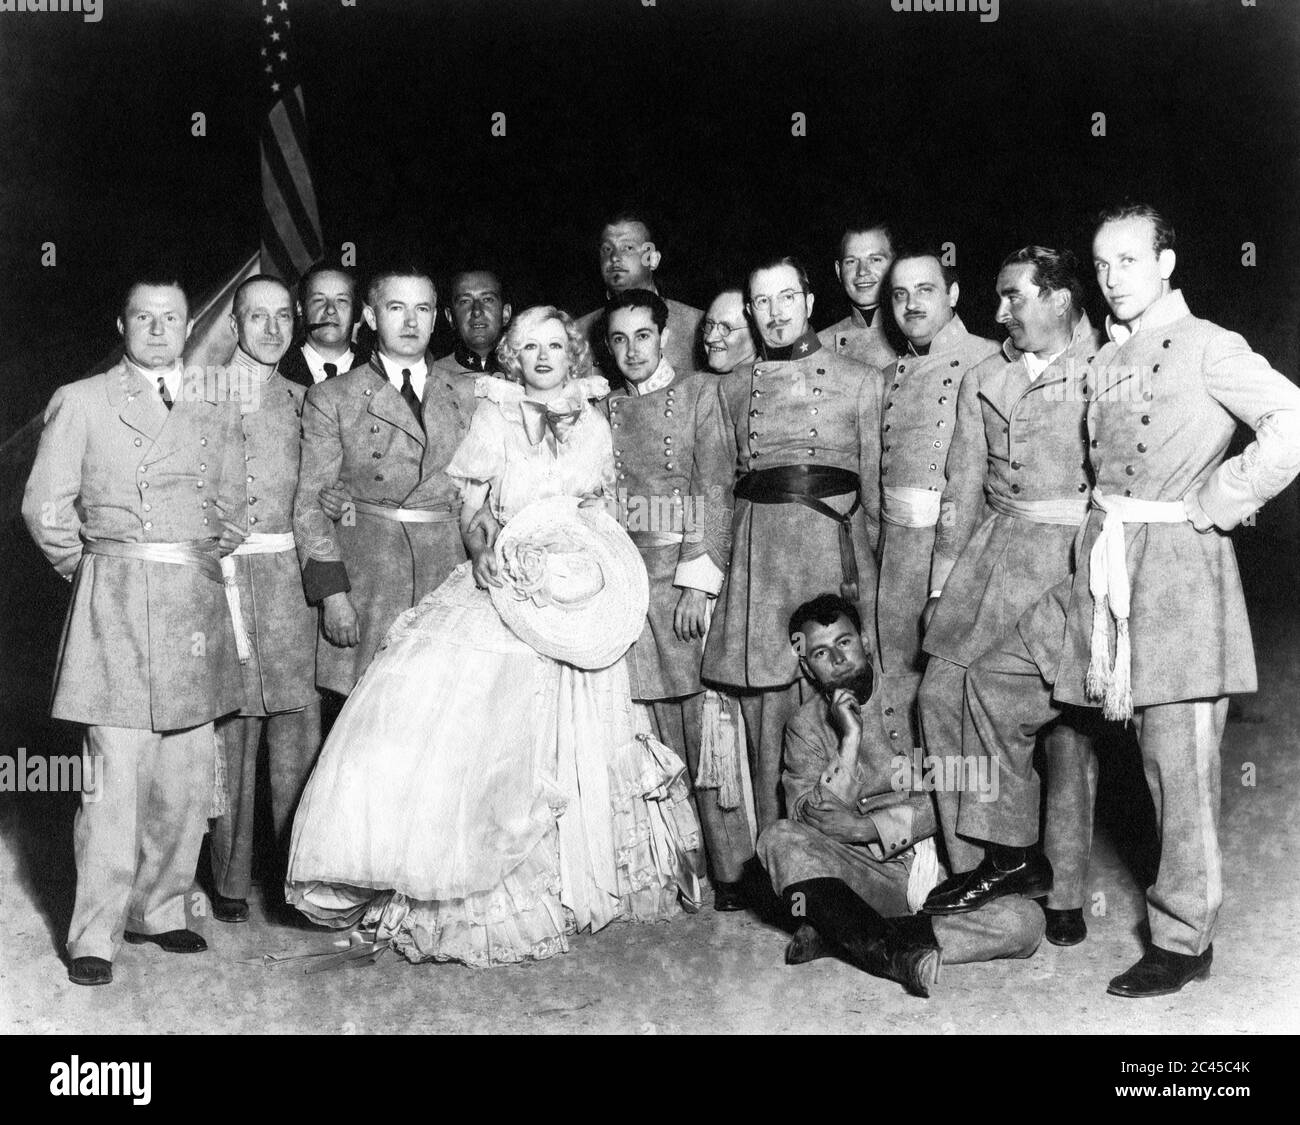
x: 856, y: 548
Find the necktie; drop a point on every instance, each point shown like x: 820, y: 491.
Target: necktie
x: 331, y: 369
x: 408, y: 393
x: 166, y: 394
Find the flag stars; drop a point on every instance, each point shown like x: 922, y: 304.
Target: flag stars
x: 275, y: 37
x: 284, y: 56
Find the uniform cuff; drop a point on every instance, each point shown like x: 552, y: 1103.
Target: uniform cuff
x: 321, y: 579
x: 699, y: 573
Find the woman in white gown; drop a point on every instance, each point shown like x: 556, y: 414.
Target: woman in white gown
x: 477, y: 801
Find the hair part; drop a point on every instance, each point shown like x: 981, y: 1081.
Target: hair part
x: 825, y: 609
x: 508, y: 347
x: 257, y: 279
x: 638, y: 299
x: 1054, y: 270
x: 1129, y: 209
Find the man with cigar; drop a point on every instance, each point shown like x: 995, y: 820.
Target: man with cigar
x: 278, y: 637
x: 866, y: 252
x: 1156, y: 585
x: 478, y: 313
x: 804, y: 428
x: 136, y: 490
x: 1016, y: 491
x: 673, y: 462
x: 383, y: 432
x: 919, y: 415
x: 328, y: 311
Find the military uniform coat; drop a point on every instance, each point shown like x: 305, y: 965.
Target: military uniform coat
x: 1020, y: 438
x: 855, y: 338
x: 357, y: 429
x: 146, y: 645
x: 1163, y: 405
x: 918, y: 420
x: 461, y: 361
x: 281, y: 673
x: 683, y: 327
x: 817, y: 409
x: 672, y: 458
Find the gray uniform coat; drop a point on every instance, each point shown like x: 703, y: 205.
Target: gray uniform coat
x: 357, y: 429
x: 855, y: 338
x: 146, y: 645
x: 672, y: 455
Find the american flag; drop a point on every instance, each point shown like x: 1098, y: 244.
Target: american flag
x: 291, y: 231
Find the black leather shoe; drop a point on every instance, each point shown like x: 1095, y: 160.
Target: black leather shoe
x: 1161, y: 972
x: 229, y: 909
x: 1065, y: 927
x: 90, y: 970
x: 1032, y: 877
x: 173, y: 941
x: 912, y: 962
x: 806, y: 945
x: 729, y: 896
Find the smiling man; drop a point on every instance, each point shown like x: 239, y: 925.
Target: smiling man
x: 384, y: 432
x: 866, y: 253
x: 1156, y: 584
x: 478, y: 313
x: 725, y: 333
x: 628, y: 260
x: 804, y: 429
x: 920, y: 413
x: 1016, y: 490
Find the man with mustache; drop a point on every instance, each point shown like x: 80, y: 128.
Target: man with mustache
x: 478, y: 313
x: 384, y: 432
x: 674, y: 489
x: 628, y: 260
x: 279, y: 658
x: 866, y: 252
x: 724, y: 331
x: 1016, y: 490
x: 136, y: 490
x: 804, y: 428
x: 1156, y: 584
x: 920, y: 413
x: 856, y: 856
x: 327, y: 311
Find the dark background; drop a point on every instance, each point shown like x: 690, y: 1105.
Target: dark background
x: 977, y: 132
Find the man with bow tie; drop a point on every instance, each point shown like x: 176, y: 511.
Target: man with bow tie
x: 803, y: 427
x: 136, y: 491
x: 383, y: 432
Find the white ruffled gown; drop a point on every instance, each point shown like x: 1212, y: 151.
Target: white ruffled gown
x: 477, y: 801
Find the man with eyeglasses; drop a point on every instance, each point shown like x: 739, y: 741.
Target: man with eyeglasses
x: 628, y: 260
x: 866, y: 252
x: 728, y: 342
x: 805, y: 424
x: 919, y: 416
x: 478, y: 313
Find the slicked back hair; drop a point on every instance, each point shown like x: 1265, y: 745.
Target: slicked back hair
x: 825, y: 609
x: 909, y: 252
x: 1128, y: 209
x: 774, y: 263
x: 864, y: 225
x: 318, y: 268
x: 403, y: 269
x: 1054, y: 270
x: 256, y: 279
x: 638, y: 299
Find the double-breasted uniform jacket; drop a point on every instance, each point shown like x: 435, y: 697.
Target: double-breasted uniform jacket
x: 683, y: 327
x: 673, y: 462
x: 857, y: 339
x: 815, y: 408
x: 146, y: 645
x: 880, y: 785
x: 358, y: 430
x: 1018, y: 439
x: 280, y: 674
x: 1163, y: 404
x: 919, y: 415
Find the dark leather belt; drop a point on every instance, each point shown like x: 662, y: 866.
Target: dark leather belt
x: 809, y: 485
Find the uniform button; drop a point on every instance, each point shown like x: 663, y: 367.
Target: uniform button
x: 366, y: 392
x: 618, y: 453
x: 755, y: 394
x: 844, y: 341
x: 668, y: 441
x: 893, y: 734
x: 812, y: 410
x: 616, y: 425
x: 889, y: 406
x: 955, y: 363
x: 618, y: 464
x: 947, y: 382
x: 753, y: 435
x: 1155, y: 368
x: 941, y: 423
x: 669, y: 465
x: 374, y: 429
x: 1146, y: 419
x: 1015, y: 488
x: 1146, y: 395
x: 205, y: 520
x: 252, y: 519
x: 252, y: 499
x: 202, y: 467
x: 677, y: 491
x: 250, y: 480
x: 821, y: 371
x: 203, y: 441
x: 1129, y: 470
x: 1083, y: 488
x: 1094, y: 443
x: 376, y: 455
x: 622, y: 476
x: 248, y: 457
x: 379, y: 476
x: 137, y: 443
x: 938, y: 445
x: 817, y: 392
x: 1128, y: 492
x: 886, y: 427
x: 1142, y: 447
x: 148, y: 508
x: 1015, y: 464
x: 889, y: 710
x: 894, y: 387
x: 812, y: 433
x: 144, y: 484
x: 943, y: 399
x: 933, y: 466
x: 811, y: 452
x: 754, y: 456
x: 1166, y: 343
x: 148, y: 524
x: 902, y: 371
x: 884, y: 469
x: 755, y: 413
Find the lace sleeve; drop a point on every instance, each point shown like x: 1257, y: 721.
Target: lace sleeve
x: 481, y: 455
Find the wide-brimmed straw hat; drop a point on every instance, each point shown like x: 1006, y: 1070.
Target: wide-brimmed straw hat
x: 575, y: 588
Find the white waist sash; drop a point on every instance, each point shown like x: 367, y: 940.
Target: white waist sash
x: 910, y: 507
x: 257, y: 543
x: 1067, y: 511
x: 1108, y: 583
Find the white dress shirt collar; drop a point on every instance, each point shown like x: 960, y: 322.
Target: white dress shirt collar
x: 316, y: 362
x: 418, y: 368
